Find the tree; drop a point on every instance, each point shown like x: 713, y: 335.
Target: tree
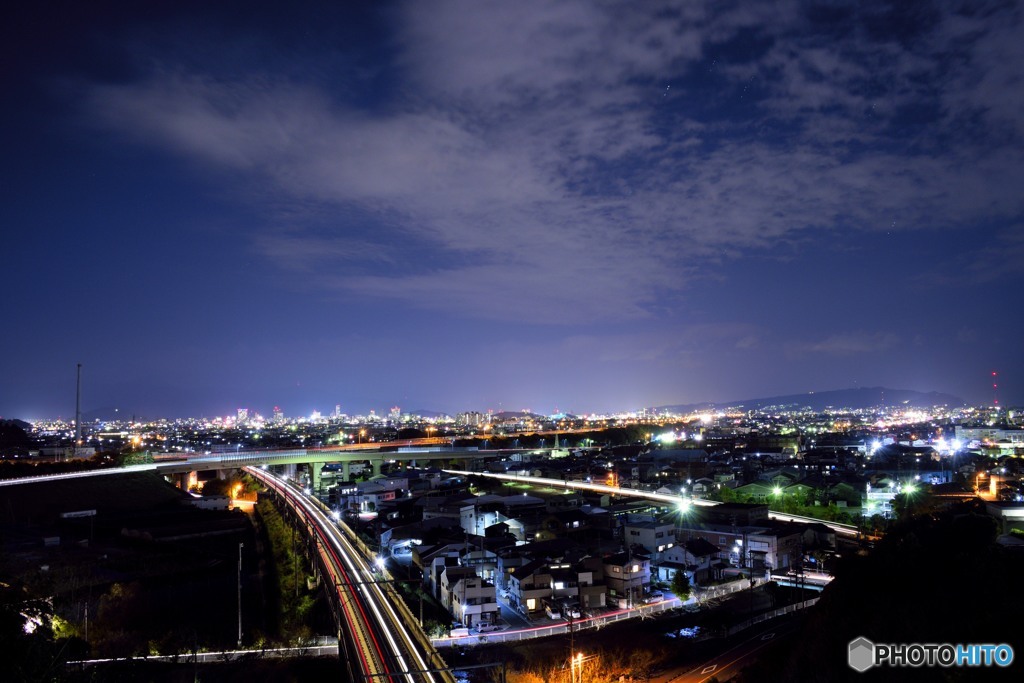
x: 641, y: 662
x: 681, y: 584
x: 13, y: 435
x: 133, y: 458
x: 28, y: 649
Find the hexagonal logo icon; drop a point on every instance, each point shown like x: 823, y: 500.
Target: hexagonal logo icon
x: 862, y: 654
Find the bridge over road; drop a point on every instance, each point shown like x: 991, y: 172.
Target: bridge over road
x: 183, y: 464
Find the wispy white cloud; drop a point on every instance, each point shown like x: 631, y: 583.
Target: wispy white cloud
x: 539, y: 161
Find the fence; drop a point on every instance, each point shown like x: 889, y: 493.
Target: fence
x: 642, y: 611
x: 704, y: 594
x: 323, y: 647
x: 771, y: 615
x: 560, y: 627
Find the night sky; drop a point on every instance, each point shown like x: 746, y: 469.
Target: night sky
x: 572, y: 206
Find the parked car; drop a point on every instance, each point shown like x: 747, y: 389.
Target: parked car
x: 570, y: 611
x: 488, y: 628
x: 552, y: 609
x: 656, y: 596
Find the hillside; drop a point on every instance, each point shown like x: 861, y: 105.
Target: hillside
x: 818, y: 401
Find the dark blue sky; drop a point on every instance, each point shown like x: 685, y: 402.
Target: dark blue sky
x: 477, y: 205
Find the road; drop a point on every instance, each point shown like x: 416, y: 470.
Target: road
x: 843, y: 529
x: 729, y: 663
x: 383, y: 644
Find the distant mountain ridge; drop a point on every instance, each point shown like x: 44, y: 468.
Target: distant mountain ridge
x: 861, y: 398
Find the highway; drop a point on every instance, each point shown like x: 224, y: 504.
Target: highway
x: 844, y: 529
x: 246, y: 459
x: 382, y: 644
x: 77, y: 475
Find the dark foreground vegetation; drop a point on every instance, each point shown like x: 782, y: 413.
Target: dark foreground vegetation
x: 939, y: 577
x: 147, y: 574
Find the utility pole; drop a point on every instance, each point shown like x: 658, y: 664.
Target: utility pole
x: 240, y: 546
x: 572, y: 652
x: 78, y: 409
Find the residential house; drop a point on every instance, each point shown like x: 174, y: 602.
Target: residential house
x: 627, y: 577
x: 759, y: 491
x: 654, y: 536
x: 696, y: 557
x: 470, y: 599
x: 774, y: 549
x: 570, y: 523
x: 528, y: 586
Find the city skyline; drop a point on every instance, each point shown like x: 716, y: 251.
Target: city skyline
x: 861, y: 400
x: 555, y: 205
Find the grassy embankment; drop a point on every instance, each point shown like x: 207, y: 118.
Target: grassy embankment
x: 293, y: 609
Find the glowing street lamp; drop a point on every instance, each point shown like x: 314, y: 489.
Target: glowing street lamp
x: 576, y: 663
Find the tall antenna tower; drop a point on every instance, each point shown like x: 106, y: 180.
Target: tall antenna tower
x: 78, y: 408
x: 995, y: 389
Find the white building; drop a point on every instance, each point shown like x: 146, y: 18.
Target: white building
x: 468, y: 597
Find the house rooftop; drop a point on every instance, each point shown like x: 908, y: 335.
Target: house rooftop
x: 698, y: 547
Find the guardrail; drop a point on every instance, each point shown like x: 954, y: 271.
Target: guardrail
x: 788, y: 609
x: 559, y: 627
x: 320, y: 650
x: 713, y: 592
x: 643, y: 611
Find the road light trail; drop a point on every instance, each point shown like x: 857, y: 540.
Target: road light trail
x: 388, y: 651
x: 845, y: 529
x: 363, y: 639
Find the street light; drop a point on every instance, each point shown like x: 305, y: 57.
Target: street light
x: 240, y: 546
x: 574, y: 663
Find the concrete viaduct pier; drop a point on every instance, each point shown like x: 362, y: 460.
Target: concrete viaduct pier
x: 183, y: 471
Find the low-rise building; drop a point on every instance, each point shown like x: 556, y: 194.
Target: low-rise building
x: 470, y: 599
x: 627, y: 577
x: 654, y: 536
